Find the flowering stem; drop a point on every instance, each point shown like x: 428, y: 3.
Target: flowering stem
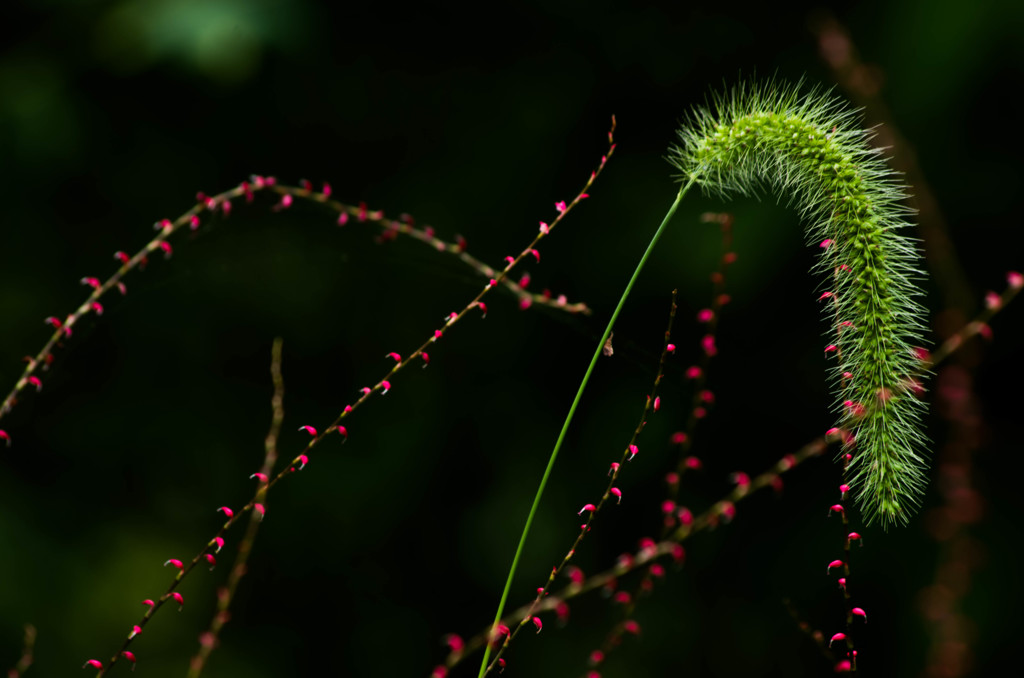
x: 572, y: 411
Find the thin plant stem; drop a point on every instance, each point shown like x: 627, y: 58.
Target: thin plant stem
x: 484, y: 668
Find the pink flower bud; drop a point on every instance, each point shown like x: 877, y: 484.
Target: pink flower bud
x: 596, y: 657
x: 34, y: 380
x: 831, y: 348
x: 303, y: 460
x: 1015, y: 280
x: 614, y: 467
x: 326, y: 190
x: 483, y: 308
x: 440, y: 671
x: 671, y: 348
x: 834, y: 563
x: 130, y: 656
x: 618, y: 494
x: 136, y: 630
x: 97, y: 307
x: 454, y: 642
x: 838, y: 636
x: 95, y: 663
x: 657, y: 403
x: 825, y: 243
x: 5, y: 437
x: 668, y: 506
x: 855, y: 536
x: 219, y: 543
x: 824, y: 295
x: 843, y: 489
x: 859, y: 612
x: 121, y: 288
x: 623, y: 598
x: 843, y: 666
x: 544, y: 228
x: 166, y: 248
x: 678, y: 438
x: 260, y: 510
x: 308, y: 429
x: 227, y: 511
x: 211, y: 560
x: 342, y: 218
x: 842, y: 583
x: 705, y: 315
x: 672, y: 478
x: 175, y: 563
x: 148, y: 602
x: 387, y: 386
x: 630, y: 626
x: 838, y: 508
x: 692, y: 463
x: 633, y: 450
x: 193, y: 222
x: 560, y: 205
x: 122, y: 257
x: 179, y: 599
x: 262, y: 477
x: 708, y: 344
x: 588, y: 507
x: 538, y: 623
x: 741, y: 479
x: 394, y: 356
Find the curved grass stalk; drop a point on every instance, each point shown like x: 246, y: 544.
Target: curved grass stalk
x: 810, y: 147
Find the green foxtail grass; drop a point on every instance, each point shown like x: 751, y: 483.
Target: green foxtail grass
x: 809, y: 145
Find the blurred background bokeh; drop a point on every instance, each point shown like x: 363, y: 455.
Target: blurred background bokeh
x: 114, y: 114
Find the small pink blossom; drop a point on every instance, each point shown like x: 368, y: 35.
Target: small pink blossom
x: 614, y: 467
x: 854, y: 536
x: 560, y: 206
x: 95, y: 663
x: 657, y: 403
x: 226, y: 511
x: 596, y: 657
x: 260, y: 510
x: 678, y: 438
x: 193, y: 222
x: 148, y: 602
x: 633, y: 450
x: 838, y: 508
x: 1015, y: 279
x: 671, y: 348
x: 262, y: 477
x: 483, y: 308
x: 708, y: 344
x: 130, y: 656
x: 174, y: 562
x: 617, y: 493
x: 536, y: 255
x: 387, y: 386
x: 692, y: 463
x: 859, y: 612
x: 705, y: 315
x: 825, y: 243
x: 509, y: 261
x: 303, y: 460
x: 831, y: 348
x: 588, y: 507
x: 834, y: 563
x: 741, y: 479
x: 91, y: 282
x: 136, y: 630
x: 5, y: 437
x: 179, y: 599
x: 838, y: 636
x: 544, y: 228
x: 97, y: 307
x: 630, y: 626
x: 538, y: 623
x: 219, y: 543
x: 308, y: 429
x: 672, y: 478
x: 122, y: 257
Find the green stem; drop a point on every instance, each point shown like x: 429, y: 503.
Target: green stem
x: 572, y: 410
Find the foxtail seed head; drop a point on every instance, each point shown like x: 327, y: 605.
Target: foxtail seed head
x: 811, y: 147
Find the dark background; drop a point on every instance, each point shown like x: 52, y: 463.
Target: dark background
x: 112, y: 116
